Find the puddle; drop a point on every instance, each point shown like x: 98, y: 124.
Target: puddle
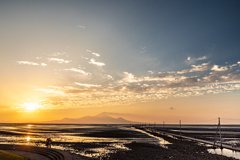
x: 225, y: 152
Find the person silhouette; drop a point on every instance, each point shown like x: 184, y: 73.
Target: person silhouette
x: 47, y: 142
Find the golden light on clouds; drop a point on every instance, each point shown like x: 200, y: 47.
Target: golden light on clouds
x: 56, y: 60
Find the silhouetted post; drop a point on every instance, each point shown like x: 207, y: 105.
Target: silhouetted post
x: 163, y: 127
x: 180, y: 128
x: 220, y: 130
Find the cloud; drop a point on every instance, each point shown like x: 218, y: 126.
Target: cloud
x: 43, y: 64
x: 58, y: 54
x: 233, y: 65
x: 96, y: 54
x: 87, y: 85
x: 217, y: 68
x: 197, y: 68
x: 28, y: 63
x: 79, y: 26
x: 143, y: 49
x: 151, y: 72
x: 201, y: 58
x: 84, y: 57
x: 110, y: 77
x: 92, y: 61
x: 193, y: 60
x: 78, y: 70
x: 58, y: 60
x: 49, y: 91
x: 89, y: 50
x: 128, y: 78
x: 31, y: 63
x: 128, y: 88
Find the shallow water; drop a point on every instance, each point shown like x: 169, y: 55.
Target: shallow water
x: 65, y: 137
x: 225, y: 152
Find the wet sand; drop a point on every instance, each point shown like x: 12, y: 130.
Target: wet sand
x: 178, y: 150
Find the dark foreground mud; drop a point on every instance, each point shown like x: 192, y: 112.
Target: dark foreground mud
x: 178, y: 150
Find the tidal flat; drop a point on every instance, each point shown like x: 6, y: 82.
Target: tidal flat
x: 107, y: 142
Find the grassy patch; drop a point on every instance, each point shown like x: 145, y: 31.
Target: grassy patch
x: 10, y: 156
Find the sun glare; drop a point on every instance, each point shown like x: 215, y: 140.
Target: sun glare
x: 31, y: 106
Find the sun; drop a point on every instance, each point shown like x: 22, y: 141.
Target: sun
x: 31, y: 106
x: 28, y: 138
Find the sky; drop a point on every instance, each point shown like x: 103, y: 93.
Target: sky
x: 146, y: 61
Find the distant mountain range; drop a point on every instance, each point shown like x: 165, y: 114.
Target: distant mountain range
x: 101, y: 118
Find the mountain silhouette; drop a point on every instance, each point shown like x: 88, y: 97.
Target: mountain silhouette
x: 101, y: 118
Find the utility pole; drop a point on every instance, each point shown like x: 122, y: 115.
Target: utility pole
x: 163, y: 125
x: 219, y: 125
x: 180, y: 128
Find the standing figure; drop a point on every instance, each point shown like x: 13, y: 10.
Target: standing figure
x: 47, y: 142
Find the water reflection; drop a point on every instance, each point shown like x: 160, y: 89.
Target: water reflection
x: 72, y: 137
x: 157, y: 140
x: 226, y: 152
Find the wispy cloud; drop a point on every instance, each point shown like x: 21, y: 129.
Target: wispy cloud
x: 96, y: 54
x: 151, y: 72
x: 27, y: 63
x: 78, y: 70
x: 49, y: 91
x: 89, y: 50
x: 79, y: 26
x: 87, y: 85
x: 191, y: 60
x: 44, y: 64
x: 143, y: 50
x: 58, y: 54
x: 84, y: 57
x: 201, y: 58
x: 197, y: 68
x: 32, y: 63
x: 92, y: 61
x: 58, y: 60
x: 127, y: 88
x: 110, y: 77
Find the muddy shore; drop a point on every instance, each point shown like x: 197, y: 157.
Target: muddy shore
x: 180, y: 149
x: 104, y: 150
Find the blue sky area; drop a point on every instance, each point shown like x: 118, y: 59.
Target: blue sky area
x: 101, y: 53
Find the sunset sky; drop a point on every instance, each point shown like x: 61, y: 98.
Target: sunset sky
x: 146, y: 61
